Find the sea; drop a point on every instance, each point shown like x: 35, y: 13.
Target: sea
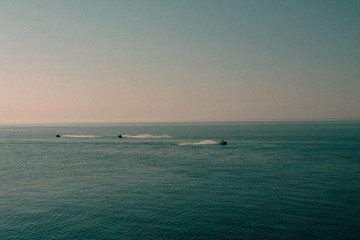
x: 273, y: 180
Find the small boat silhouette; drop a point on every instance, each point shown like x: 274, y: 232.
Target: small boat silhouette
x: 222, y: 142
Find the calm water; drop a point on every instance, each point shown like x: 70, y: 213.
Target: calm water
x: 280, y: 180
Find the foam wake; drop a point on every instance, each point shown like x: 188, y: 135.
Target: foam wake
x: 145, y: 136
x: 78, y: 136
x: 205, y: 142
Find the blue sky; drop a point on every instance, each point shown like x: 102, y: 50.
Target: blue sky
x: 124, y: 61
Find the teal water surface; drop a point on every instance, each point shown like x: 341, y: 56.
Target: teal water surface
x: 274, y: 180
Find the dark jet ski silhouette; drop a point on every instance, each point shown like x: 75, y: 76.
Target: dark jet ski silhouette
x: 222, y: 142
x: 120, y: 136
x: 58, y: 135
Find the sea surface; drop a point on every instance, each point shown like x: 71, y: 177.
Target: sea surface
x: 273, y: 180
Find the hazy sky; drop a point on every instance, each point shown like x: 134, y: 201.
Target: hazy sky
x: 164, y: 60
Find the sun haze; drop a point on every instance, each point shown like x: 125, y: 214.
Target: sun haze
x: 124, y: 61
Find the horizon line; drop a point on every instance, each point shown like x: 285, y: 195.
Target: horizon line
x: 180, y: 121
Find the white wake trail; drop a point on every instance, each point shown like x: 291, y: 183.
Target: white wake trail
x: 145, y: 136
x: 205, y: 142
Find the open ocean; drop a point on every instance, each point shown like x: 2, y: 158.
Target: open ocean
x: 274, y: 180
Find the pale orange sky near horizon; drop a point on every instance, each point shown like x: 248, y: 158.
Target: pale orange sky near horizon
x: 125, y: 61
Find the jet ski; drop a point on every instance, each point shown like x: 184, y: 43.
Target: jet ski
x: 58, y: 135
x: 120, y: 136
x: 222, y: 142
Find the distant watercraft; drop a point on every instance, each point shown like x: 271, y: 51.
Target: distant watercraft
x: 223, y: 142
x: 58, y: 135
x: 120, y: 136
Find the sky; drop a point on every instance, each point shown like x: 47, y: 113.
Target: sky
x: 168, y: 60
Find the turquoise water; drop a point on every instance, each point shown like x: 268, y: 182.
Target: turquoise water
x: 274, y: 180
